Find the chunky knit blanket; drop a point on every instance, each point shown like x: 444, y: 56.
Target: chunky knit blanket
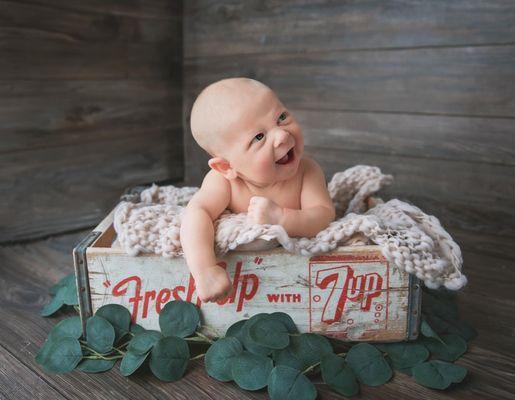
x: 411, y: 240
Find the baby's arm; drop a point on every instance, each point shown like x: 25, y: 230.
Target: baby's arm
x: 317, y: 210
x: 197, y: 237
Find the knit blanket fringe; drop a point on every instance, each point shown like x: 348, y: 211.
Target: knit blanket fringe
x: 409, y: 239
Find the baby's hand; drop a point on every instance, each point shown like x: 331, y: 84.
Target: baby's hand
x: 264, y: 211
x: 212, y: 284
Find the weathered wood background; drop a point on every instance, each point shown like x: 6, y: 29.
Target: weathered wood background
x: 91, y: 99
x: 90, y: 103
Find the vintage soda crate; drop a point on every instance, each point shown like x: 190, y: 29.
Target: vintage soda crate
x: 352, y: 293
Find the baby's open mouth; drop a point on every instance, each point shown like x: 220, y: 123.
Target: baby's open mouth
x: 288, y: 157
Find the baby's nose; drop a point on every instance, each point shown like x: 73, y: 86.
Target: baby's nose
x: 280, y: 137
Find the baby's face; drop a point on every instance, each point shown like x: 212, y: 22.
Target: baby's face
x: 261, y: 140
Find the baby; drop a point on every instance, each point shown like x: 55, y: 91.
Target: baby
x: 257, y: 167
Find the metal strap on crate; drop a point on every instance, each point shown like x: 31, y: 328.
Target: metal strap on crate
x: 414, y: 303
x: 81, y: 276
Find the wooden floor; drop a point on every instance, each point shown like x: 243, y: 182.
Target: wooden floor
x: 28, y: 270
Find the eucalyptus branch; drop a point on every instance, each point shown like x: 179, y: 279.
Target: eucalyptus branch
x: 197, y: 356
x: 206, y: 339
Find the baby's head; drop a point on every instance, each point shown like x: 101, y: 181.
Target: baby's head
x: 248, y: 132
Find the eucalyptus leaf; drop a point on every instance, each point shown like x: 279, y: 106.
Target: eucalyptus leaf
x: 437, y: 374
x: 118, y: 316
x: 309, y: 348
x: 135, y: 328
x: 143, y: 342
x: 219, y: 357
x: 251, y: 371
x: 59, y: 355
x: 286, y: 320
x: 429, y: 332
x: 52, y: 306
x: 270, y: 333
x: 169, y: 358
x: 65, y: 281
x: 453, y: 347
x: 369, y: 364
x: 247, y: 341
x: 288, y: 358
x: 69, y: 293
x: 67, y: 327
x: 235, y: 330
x: 179, y: 318
x: 92, y: 366
x: 405, y: 354
x: 131, y: 362
x: 100, y: 334
x: 338, y: 375
x: 285, y: 383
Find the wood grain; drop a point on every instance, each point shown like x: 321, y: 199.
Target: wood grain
x: 300, y: 26
x: 476, y: 81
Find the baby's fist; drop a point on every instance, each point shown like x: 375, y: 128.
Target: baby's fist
x: 264, y: 211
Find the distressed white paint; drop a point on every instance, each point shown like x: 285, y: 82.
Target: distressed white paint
x: 321, y: 294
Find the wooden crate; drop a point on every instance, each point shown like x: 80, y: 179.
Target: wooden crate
x: 352, y: 293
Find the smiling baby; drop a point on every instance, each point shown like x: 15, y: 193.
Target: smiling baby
x: 257, y: 167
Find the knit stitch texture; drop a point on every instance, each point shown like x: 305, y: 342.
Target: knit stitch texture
x: 410, y: 239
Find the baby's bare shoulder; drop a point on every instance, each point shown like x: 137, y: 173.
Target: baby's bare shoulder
x: 214, y: 194
x: 310, y: 167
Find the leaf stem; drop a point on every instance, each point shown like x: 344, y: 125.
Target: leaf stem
x: 312, y: 367
x: 77, y: 308
x: 206, y: 339
x: 197, y: 356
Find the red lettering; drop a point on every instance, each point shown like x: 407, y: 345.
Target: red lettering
x: 244, y: 295
x: 273, y: 298
x: 176, y: 291
x: 162, y: 298
x: 121, y: 288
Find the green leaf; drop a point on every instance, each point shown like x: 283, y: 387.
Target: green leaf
x: 69, y: 293
x: 235, y: 330
x: 59, y: 355
x: 404, y: 354
x: 247, y: 341
x: 453, y: 348
x: 118, y: 316
x: 369, y: 364
x: 66, y: 281
x: 438, y: 374
x: 169, y: 358
x: 288, y: 358
x: 286, y: 320
x: 338, y: 375
x: 143, y: 342
x: 135, y: 328
x: 269, y: 332
x: 52, y: 306
x: 463, y: 329
x: 285, y: 383
x: 251, y: 371
x: 219, y: 358
x: 131, y: 362
x: 179, y: 318
x: 309, y: 348
x: 92, y: 366
x: 100, y: 334
x: 427, y: 331
x: 67, y: 327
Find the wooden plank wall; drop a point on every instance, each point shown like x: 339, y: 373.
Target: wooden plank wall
x: 90, y: 103
x: 423, y: 89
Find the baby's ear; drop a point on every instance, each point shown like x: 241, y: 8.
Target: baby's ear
x: 222, y: 166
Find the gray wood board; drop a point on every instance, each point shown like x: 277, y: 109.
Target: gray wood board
x: 236, y: 27
x: 55, y: 189
x: 471, y: 81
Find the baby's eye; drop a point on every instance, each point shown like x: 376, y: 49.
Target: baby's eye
x: 258, y: 137
x: 283, y: 116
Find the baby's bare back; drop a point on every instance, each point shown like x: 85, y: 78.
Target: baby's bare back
x: 286, y: 194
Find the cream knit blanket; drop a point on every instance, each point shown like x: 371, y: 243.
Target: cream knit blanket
x: 410, y: 239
